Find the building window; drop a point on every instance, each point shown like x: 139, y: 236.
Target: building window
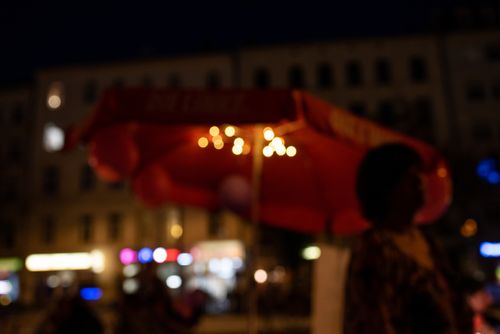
x: 354, y: 76
x: 8, y: 235
x: 324, y: 76
x: 213, y: 80
x: 386, y: 113
x: 418, y: 69
x: 475, y: 91
x: 17, y: 114
x: 117, y: 186
x: 174, y: 81
x: 492, y: 52
x: 482, y: 132
x: 358, y: 108
x: 424, y: 112
x: 90, y: 92
x: 261, y: 78
x: 383, y: 72
x: 50, y: 183
x: 215, y: 226
x: 87, y: 178
x: 48, y: 229
x: 114, y: 226
x: 86, y: 227
x: 296, y: 77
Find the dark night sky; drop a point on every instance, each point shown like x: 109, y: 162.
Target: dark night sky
x: 43, y: 33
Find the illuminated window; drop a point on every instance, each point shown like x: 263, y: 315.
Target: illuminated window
x: 418, y: 69
x: 296, y: 77
x: 48, y: 229
x: 174, y: 81
x: 383, y: 72
x: 354, y: 75
x: 90, y: 91
x: 87, y: 178
x: 261, y: 78
x: 213, y: 80
x: 324, y: 76
x: 475, y: 91
x: 86, y: 227
x: 50, y: 182
x: 114, y: 226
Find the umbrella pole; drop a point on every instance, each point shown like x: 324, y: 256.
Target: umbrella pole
x: 255, y: 237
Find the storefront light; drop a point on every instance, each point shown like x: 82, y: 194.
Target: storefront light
x: 62, y: 261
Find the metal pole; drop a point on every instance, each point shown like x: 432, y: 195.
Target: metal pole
x: 258, y: 143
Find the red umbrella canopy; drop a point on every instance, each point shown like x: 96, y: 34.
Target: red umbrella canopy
x: 165, y: 143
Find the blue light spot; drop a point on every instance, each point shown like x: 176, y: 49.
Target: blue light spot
x: 91, y: 293
x: 485, y: 167
x: 490, y: 249
x: 145, y: 255
x: 494, y: 178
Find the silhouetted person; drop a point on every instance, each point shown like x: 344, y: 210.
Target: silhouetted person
x: 398, y: 282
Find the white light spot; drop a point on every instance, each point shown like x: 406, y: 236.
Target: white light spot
x: 185, y: 259
x: 174, y: 282
x: 130, y: 285
x: 53, y: 138
x: 53, y: 281
x: 54, y: 101
x: 260, y: 276
x: 311, y: 253
x: 160, y: 255
x: 131, y: 270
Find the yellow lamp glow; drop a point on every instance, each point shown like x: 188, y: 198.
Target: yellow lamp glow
x: 268, y: 133
x: 214, y: 131
x: 237, y: 150
x: 260, y: 276
x: 442, y: 172
x: 176, y: 231
x: 311, y: 253
x: 469, y: 228
x: 291, y: 151
x: 203, y: 142
x: 219, y: 145
x: 239, y: 141
x: 280, y: 150
x: 54, y: 101
x: 230, y: 131
x: 277, y: 142
x: 246, y: 149
x: 267, y: 151
x: 66, y: 261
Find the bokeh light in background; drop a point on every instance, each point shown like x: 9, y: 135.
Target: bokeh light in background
x: 185, y: 259
x: 176, y: 231
x: 128, y: 256
x: 469, y: 228
x: 489, y: 249
x: 91, y: 293
x: 5, y: 287
x: 260, y: 276
x: 131, y: 270
x: 311, y: 253
x: 488, y: 170
x: 130, y: 285
x: 174, y: 281
x: 53, y: 138
x: 160, y: 255
x: 53, y: 281
x: 145, y: 255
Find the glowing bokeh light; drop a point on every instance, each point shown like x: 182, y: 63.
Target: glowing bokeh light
x: 291, y: 151
x: 174, y: 281
x: 267, y: 151
x: 260, y: 276
x: 489, y: 249
x: 230, y: 131
x: 311, y: 253
x: 246, y: 149
x: 176, y: 231
x: 128, y: 256
x: 91, y: 293
x: 5, y: 300
x: 239, y: 141
x: 131, y: 270
x: 53, y: 138
x: 185, y: 259
x: 60, y: 261
x: 160, y: 255
x: 53, y: 281
x: 203, y: 142
x: 130, y: 285
x: 268, y: 133
x: 469, y: 228
x: 277, y: 142
x: 5, y: 287
x: 54, y: 101
x: 237, y: 150
x: 172, y: 254
x: 442, y: 172
x: 280, y: 150
x: 214, y: 131
x: 98, y: 259
x: 219, y: 145
x: 145, y: 255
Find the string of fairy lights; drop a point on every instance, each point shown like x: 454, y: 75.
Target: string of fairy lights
x: 241, y: 141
